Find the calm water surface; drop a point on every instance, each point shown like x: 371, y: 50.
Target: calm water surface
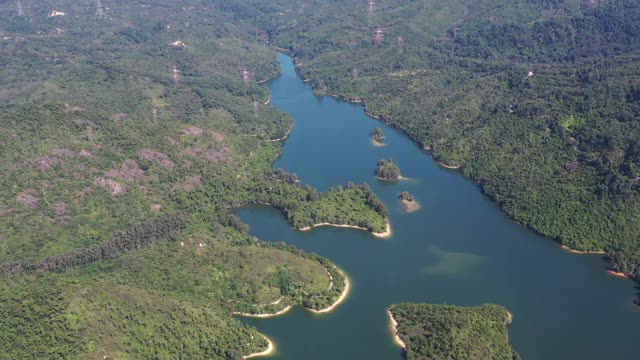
x: 458, y: 249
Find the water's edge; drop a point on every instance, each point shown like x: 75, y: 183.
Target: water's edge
x: 460, y: 248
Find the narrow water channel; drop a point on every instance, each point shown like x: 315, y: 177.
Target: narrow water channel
x: 457, y: 249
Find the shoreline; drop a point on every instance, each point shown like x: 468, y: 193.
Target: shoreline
x: 341, y: 298
x: 598, y: 252
x: 284, y: 137
x: 271, y: 348
x: 264, y: 315
x: 401, y: 178
x: 393, y: 325
x: 458, y: 167
x: 268, y: 101
x: 618, y: 274
x: 346, y: 99
x: 377, y: 144
x: 410, y: 206
x: 386, y: 234
x: 450, y: 167
x: 378, y: 117
x: 509, y: 317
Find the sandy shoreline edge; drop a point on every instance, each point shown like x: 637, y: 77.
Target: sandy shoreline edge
x: 271, y: 348
x: 618, y: 274
x: 450, y: 167
x: 284, y: 137
x: 341, y: 298
x: 385, y: 235
x: 373, y: 116
x: 393, y: 325
x: 400, y: 178
x: 265, y: 315
x: 566, y: 248
x: 410, y: 206
x: 343, y: 98
x: 377, y: 143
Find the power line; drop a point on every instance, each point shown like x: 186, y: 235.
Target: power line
x: 372, y: 7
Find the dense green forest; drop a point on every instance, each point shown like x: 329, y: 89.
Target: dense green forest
x: 129, y: 133
x: 387, y: 170
x: 172, y: 300
x: 453, y: 332
x: 536, y: 100
x: 127, y: 138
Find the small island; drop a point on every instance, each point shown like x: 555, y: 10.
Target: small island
x: 409, y: 203
x: 378, y: 137
x: 428, y: 331
x: 388, y: 170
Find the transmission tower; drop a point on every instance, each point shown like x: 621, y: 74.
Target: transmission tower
x: 99, y: 11
x: 176, y: 75
x: 20, y: 8
x: 245, y: 78
x: 354, y: 74
x: 90, y: 135
x: 378, y: 36
x: 372, y: 7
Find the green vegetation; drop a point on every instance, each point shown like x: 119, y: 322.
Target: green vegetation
x: 538, y: 101
x: 172, y: 298
x: 377, y: 135
x: 120, y: 175
x: 387, y: 170
x: 454, y: 332
x: 100, y: 140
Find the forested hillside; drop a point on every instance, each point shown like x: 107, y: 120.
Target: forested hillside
x: 128, y: 134
x: 453, y: 332
x: 537, y: 101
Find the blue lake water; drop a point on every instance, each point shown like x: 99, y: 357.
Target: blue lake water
x: 457, y: 249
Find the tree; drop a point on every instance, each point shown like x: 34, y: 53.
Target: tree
x: 387, y: 170
x: 377, y: 135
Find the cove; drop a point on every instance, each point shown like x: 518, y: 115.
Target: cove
x: 457, y: 249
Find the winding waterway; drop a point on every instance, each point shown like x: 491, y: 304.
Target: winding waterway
x: 457, y: 249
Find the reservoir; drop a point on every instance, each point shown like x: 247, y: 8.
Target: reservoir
x: 459, y: 248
